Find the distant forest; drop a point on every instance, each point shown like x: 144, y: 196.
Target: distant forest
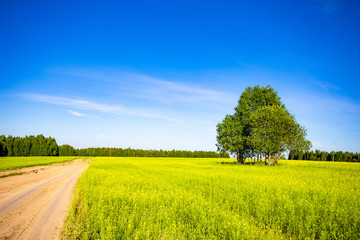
x: 318, y: 155
x: 41, y: 146
x: 28, y: 146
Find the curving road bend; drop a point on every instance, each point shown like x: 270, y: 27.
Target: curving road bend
x: 34, y: 205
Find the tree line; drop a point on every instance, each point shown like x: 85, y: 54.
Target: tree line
x: 41, y: 146
x: 67, y: 150
x: 318, y: 155
x: 28, y: 146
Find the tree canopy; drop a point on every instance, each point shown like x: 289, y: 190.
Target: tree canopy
x: 28, y: 146
x: 261, y: 126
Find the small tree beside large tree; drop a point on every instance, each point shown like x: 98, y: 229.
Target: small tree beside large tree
x: 261, y: 125
x: 230, y: 138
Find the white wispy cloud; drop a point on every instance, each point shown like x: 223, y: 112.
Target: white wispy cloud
x: 99, y: 107
x: 322, y: 104
x: 158, y: 89
x: 72, y: 102
x: 325, y: 85
x: 183, y: 92
x: 78, y: 114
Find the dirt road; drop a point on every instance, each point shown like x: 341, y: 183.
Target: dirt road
x: 34, y: 205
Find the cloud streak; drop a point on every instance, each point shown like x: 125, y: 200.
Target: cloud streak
x: 94, y: 106
x: 322, y: 104
x: 78, y: 114
x: 325, y: 85
x: 157, y: 89
x: 183, y: 92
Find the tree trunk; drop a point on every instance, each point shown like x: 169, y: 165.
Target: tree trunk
x: 269, y: 159
x: 239, y: 157
x: 265, y: 159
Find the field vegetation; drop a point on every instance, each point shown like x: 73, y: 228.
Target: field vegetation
x: 175, y: 198
x: 8, y: 163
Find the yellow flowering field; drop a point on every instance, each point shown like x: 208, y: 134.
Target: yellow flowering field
x: 178, y: 198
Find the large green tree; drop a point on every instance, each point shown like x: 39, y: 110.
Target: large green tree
x: 236, y: 133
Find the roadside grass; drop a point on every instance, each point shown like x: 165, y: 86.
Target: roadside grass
x: 9, y: 163
x: 11, y: 174
x: 174, y: 198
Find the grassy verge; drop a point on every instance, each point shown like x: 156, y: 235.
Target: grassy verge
x: 9, y: 163
x: 11, y: 174
x: 153, y: 198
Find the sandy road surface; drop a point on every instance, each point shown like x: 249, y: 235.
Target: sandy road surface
x: 34, y: 205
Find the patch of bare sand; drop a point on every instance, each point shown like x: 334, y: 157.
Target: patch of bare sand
x: 34, y: 205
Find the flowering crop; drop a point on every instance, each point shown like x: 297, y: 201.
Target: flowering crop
x: 174, y: 198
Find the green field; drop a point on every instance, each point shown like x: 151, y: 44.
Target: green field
x: 7, y: 163
x: 172, y: 198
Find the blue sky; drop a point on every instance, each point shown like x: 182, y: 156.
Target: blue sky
x: 162, y: 74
